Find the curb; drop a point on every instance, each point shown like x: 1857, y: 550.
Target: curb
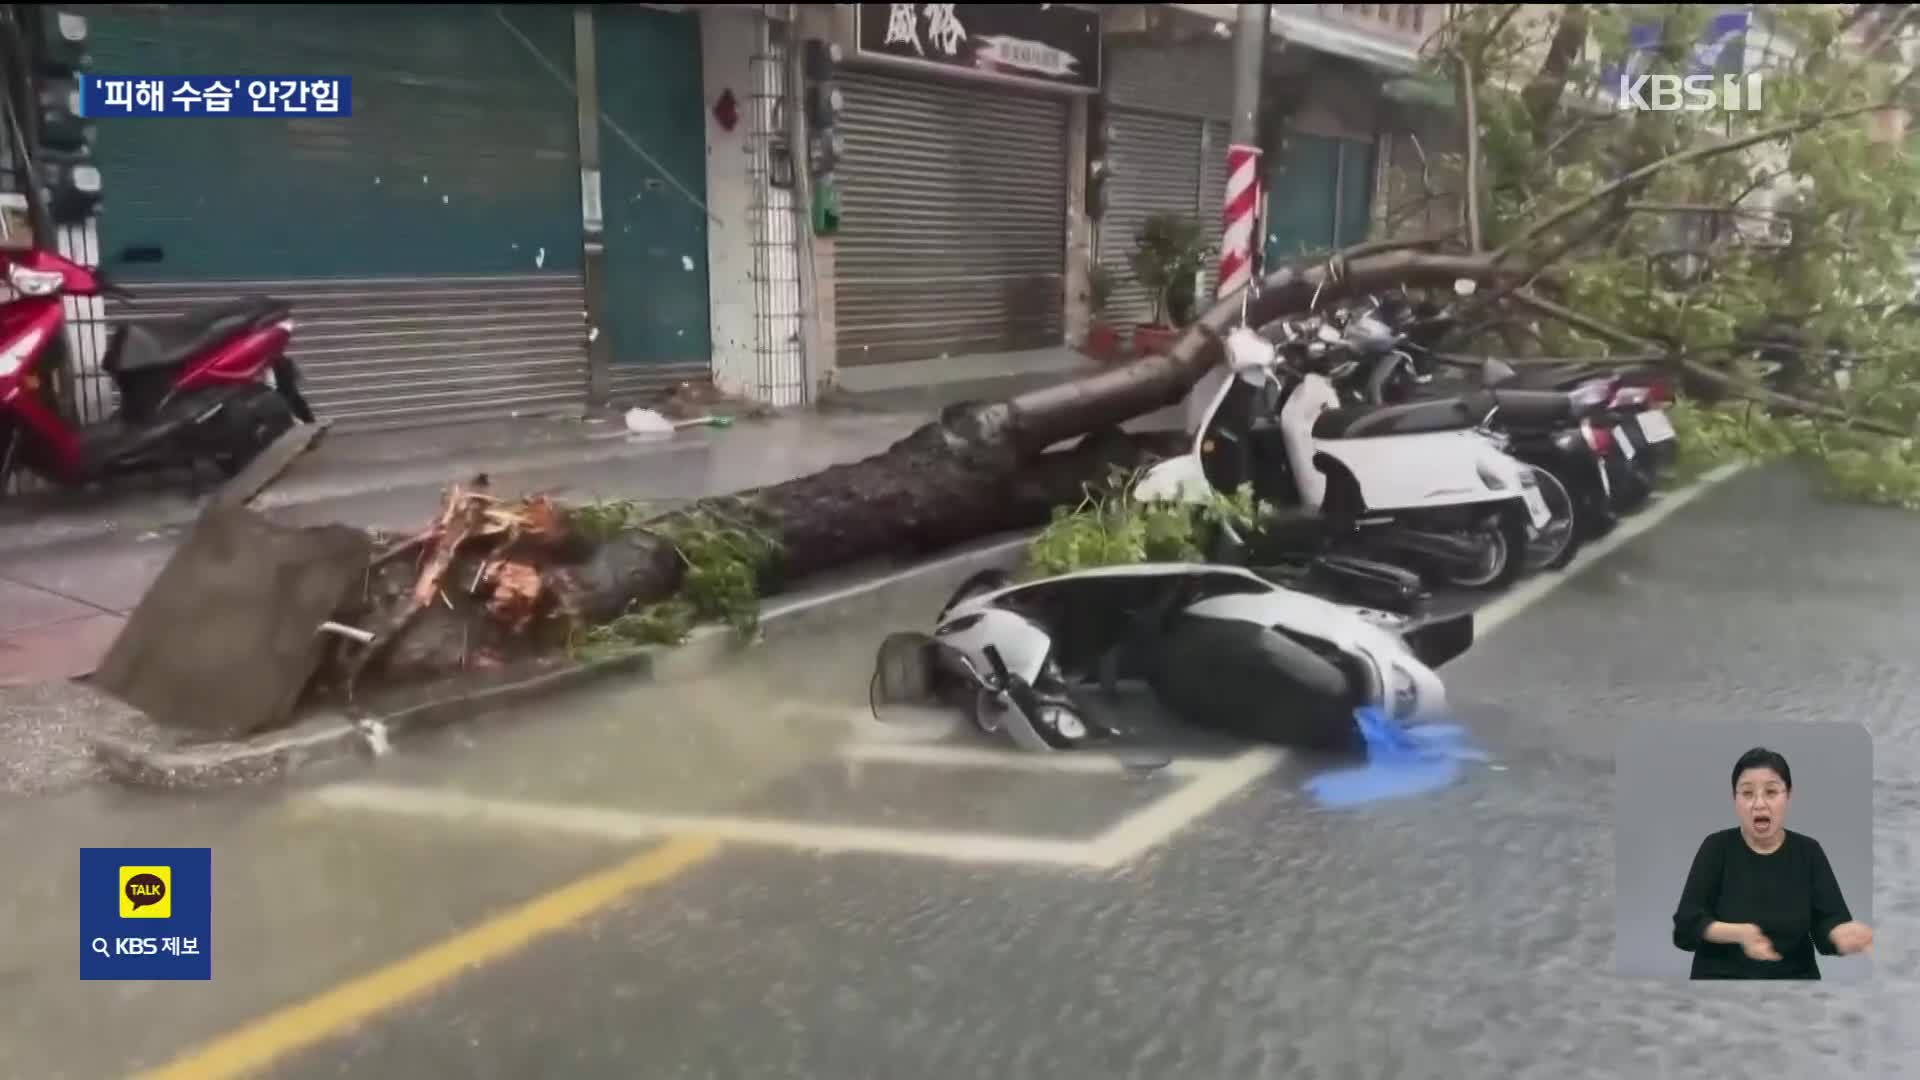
x: 334, y: 736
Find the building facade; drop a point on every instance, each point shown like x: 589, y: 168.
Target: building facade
x: 541, y: 208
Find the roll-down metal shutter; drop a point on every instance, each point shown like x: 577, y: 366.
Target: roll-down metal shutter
x: 1156, y: 163
x: 430, y: 242
x: 953, y: 219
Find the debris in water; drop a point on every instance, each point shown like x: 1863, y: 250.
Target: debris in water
x: 648, y: 422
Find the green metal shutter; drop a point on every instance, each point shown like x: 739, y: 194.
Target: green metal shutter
x: 954, y: 219
x: 1320, y: 196
x: 430, y: 241
x: 658, y: 318
x: 1156, y: 168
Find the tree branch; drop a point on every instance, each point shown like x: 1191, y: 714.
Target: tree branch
x: 1886, y: 35
x: 1707, y: 208
x: 1764, y: 396
x: 1758, y: 394
x: 1604, y: 331
x: 1542, y: 96
x: 1698, y: 153
x: 1470, y: 107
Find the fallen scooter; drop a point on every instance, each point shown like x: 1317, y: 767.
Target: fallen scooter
x: 1221, y: 646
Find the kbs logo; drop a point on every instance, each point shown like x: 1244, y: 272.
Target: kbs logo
x: 1689, y: 93
x: 146, y: 892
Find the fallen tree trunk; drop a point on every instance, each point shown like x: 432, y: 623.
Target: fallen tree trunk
x: 491, y: 581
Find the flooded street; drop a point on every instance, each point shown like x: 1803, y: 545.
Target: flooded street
x: 741, y: 874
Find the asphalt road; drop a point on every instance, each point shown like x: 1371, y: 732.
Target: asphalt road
x: 986, y: 917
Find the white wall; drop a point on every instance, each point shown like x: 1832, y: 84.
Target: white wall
x: 727, y: 46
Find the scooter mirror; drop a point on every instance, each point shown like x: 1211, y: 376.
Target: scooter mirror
x: 1248, y: 352
x: 1465, y: 287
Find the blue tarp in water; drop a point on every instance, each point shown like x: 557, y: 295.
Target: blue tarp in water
x: 1400, y: 762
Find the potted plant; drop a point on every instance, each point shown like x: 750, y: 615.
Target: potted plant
x: 1169, y: 253
x: 1103, y: 339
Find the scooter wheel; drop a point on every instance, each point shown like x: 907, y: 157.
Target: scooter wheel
x: 1554, y: 550
x: 1506, y: 540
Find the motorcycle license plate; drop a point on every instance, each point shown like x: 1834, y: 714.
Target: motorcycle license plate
x: 1655, y: 426
x: 1536, y: 507
x: 1624, y: 441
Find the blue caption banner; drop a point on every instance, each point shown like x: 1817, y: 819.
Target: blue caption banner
x: 146, y: 913
x: 105, y: 96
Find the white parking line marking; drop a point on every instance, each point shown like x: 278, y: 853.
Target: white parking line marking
x: 1084, y: 762
x: 604, y: 823
x: 1532, y: 591
x: 1150, y: 826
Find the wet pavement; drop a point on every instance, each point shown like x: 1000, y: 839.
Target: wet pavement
x: 882, y: 901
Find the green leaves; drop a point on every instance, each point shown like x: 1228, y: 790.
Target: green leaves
x: 1111, y: 528
x: 724, y: 546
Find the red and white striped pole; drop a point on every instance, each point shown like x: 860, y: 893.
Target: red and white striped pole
x: 1243, y: 201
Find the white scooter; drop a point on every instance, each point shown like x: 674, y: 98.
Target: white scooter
x: 1222, y: 646
x: 1379, y: 479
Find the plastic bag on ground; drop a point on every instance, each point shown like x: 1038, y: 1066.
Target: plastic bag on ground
x: 1400, y: 762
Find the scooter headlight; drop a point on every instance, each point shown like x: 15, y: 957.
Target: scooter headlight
x: 29, y: 282
x: 1064, y: 722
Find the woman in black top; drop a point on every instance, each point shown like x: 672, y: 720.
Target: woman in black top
x: 1759, y: 899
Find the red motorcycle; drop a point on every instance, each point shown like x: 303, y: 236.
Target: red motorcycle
x: 212, y: 386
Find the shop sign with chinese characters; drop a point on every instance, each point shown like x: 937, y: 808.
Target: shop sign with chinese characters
x: 1046, y: 44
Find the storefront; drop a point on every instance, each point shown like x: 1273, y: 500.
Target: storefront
x: 1169, y: 107
x: 431, y: 242
x: 955, y: 186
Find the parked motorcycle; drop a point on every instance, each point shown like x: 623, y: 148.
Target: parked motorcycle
x: 1620, y: 411
x: 1384, y: 357
x: 212, y: 386
x: 1433, y: 491
x: 1223, y: 647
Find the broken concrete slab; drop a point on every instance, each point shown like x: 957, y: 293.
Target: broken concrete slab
x: 228, y: 636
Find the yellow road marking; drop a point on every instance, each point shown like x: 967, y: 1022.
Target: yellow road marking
x: 332, y: 1012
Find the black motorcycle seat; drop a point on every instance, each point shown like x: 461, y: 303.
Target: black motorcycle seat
x: 1555, y: 377
x: 166, y: 343
x: 1411, y: 418
x: 1524, y: 408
